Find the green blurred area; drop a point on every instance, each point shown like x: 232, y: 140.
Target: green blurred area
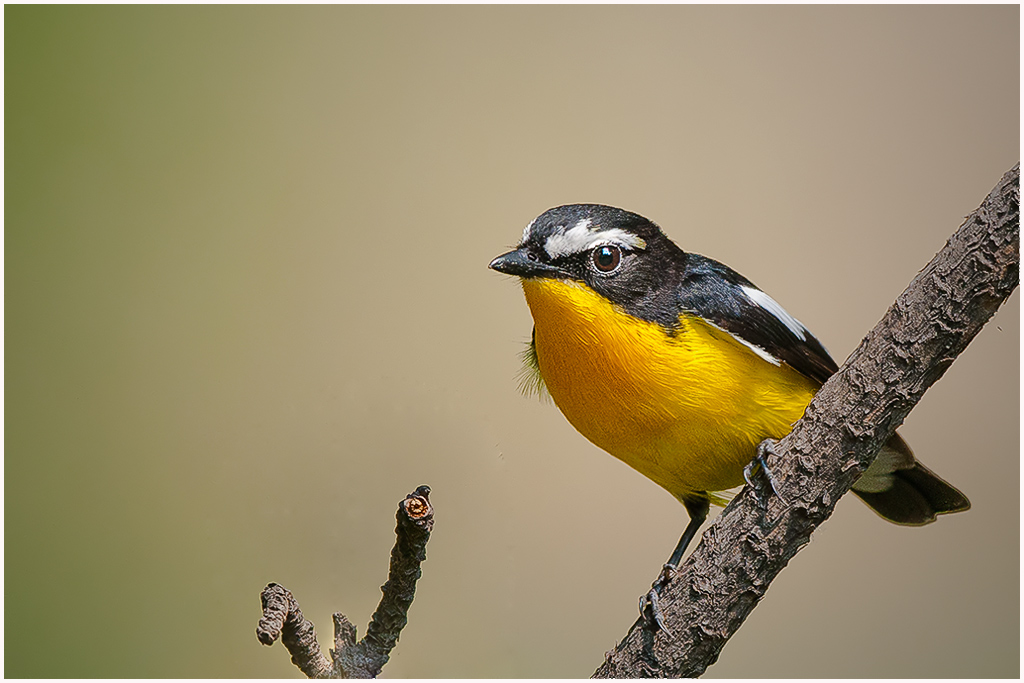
x: 248, y: 311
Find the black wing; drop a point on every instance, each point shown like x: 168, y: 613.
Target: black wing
x: 726, y: 299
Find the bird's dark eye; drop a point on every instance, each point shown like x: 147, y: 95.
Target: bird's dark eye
x: 606, y: 258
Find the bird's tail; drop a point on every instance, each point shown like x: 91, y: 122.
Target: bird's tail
x: 904, y: 491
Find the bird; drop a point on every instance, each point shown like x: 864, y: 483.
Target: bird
x: 679, y: 366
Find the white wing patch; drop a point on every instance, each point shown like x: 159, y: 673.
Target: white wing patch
x: 756, y: 349
x: 580, y: 238
x: 772, y: 306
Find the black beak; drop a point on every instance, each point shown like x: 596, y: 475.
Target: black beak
x: 523, y: 264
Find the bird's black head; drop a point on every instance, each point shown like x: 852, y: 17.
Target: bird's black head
x: 620, y: 255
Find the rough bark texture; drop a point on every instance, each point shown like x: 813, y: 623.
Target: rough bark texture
x: 282, y: 617
x: 365, y: 658
x: 841, y: 432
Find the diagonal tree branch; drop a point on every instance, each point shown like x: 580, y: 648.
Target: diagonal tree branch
x: 365, y: 658
x: 843, y: 429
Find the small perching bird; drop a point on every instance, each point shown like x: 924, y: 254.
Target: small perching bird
x: 678, y: 365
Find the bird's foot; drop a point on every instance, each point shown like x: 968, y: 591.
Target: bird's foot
x: 756, y: 472
x: 649, y: 609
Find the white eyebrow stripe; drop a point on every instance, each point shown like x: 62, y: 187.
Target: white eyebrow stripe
x: 527, y: 229
x: 769, y: 304
x: 579, y: 239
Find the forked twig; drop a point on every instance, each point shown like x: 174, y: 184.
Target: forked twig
x: 365, y: 658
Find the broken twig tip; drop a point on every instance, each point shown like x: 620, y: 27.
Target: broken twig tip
x: 417, y: 505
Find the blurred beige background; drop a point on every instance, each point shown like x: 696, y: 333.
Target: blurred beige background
x: 248, y: 309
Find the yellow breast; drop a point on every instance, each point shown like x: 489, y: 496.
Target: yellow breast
x: 686, y: 410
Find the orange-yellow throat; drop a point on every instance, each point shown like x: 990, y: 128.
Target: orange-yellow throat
x: 685, y: 409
